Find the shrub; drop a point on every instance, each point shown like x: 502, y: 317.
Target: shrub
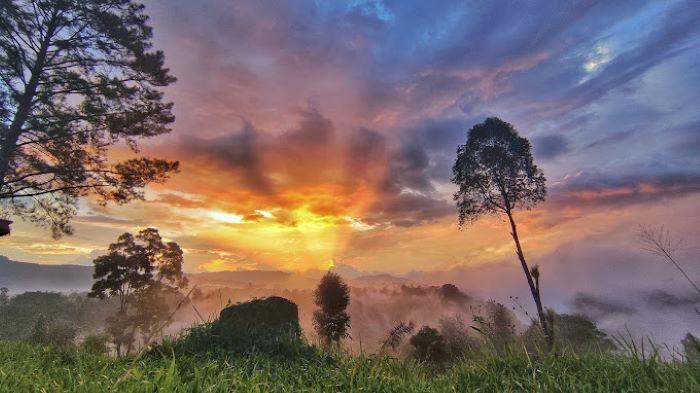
x: 429, y: 345
x: 269, y: 325
x: 95, y: 343
x: 49, y: 332
x: 572, y: 332
x: 458, y: 342
x: 497, y: 326
x: 691, y: 348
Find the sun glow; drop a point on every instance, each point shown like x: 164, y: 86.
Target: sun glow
x: 226, y: 217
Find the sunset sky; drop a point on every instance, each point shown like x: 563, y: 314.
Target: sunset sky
x: 313, y: 133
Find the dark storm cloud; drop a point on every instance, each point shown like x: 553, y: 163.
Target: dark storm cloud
x: 440, y: 137
x: 662, y: 298
x: 550, y: 146
x: 611, y: 139
x: 405, y: 210
x: 239, y: 151
x: 605, y: 190
x: 366, y: 152
x: 689, y: 138
x: 312, y: 131
x: 599, y: 307
x: 408, y: 170
x: 407, y: 196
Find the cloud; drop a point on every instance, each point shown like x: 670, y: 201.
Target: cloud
x: 239, y: 151
x: 599, y: 307
x: 661, y: 298
x: 611, y: 139
x: 550, y: 146
x: 689, y: 138
x: 341, y: 119
x: 605, y: 191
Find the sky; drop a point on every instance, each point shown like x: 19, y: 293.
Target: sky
x: 314, y: 134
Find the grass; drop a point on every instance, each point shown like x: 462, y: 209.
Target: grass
x: 30, y: 368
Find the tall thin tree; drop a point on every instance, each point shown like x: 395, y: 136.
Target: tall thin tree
x: 496, y: 175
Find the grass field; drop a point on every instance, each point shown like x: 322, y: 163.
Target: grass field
x: 28, y: 368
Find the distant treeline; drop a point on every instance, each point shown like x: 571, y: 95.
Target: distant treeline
x: 62, y: 317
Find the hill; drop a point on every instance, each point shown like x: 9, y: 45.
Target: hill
x: 24, y: 276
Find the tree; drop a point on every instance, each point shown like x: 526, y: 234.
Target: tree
x: 47, y: 331
x: 572, y: 332
x: 458, y: 342
x: 497, y: 326
x: 140, y: 271
x: 429, y: 345
x: 4, y: 296
x: 496, y: 175
x: 691, y: 348
x: 77, y: 77
x: 332, y: 297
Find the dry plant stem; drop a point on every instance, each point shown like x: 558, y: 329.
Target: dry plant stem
x: 150, y: 336
x: 660, y: 243
x: 670, y: 258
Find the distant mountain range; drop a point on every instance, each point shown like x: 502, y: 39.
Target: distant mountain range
x: 24, y: 276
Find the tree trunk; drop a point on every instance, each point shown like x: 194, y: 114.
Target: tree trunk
x: 534, y: 289
x: 13, y: 132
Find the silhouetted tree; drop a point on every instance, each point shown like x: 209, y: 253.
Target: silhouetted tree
x: 18, y: 315
x: 496, y: 175
x: 332, y: 297
x: 497, y: 325
x: 51, y: 332
x: 691, y: 348
x: 4, y: 296
x: 573, y: 332
x: 429, y: 345
x: 458, y: 342
x: 76, y: 77
x: 95, y: 343
x: 140, y: 271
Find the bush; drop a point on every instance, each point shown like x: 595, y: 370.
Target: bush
x: 95, y: 343
x: 429, y: 345
x: 458, y: 342
x: 497, y: 326
x: 269, y: 325
x: 691, y: 348
x: 572, y: 332
x: 49, y: 332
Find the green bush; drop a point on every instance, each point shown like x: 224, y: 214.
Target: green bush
x: 95, y: 343
x: 429, y: 345
x: 50, y: 332
x: 269, y: 325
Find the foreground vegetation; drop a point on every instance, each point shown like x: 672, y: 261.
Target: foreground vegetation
x: 30, y: 368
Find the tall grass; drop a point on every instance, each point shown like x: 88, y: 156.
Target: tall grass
x: 30, y: 368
